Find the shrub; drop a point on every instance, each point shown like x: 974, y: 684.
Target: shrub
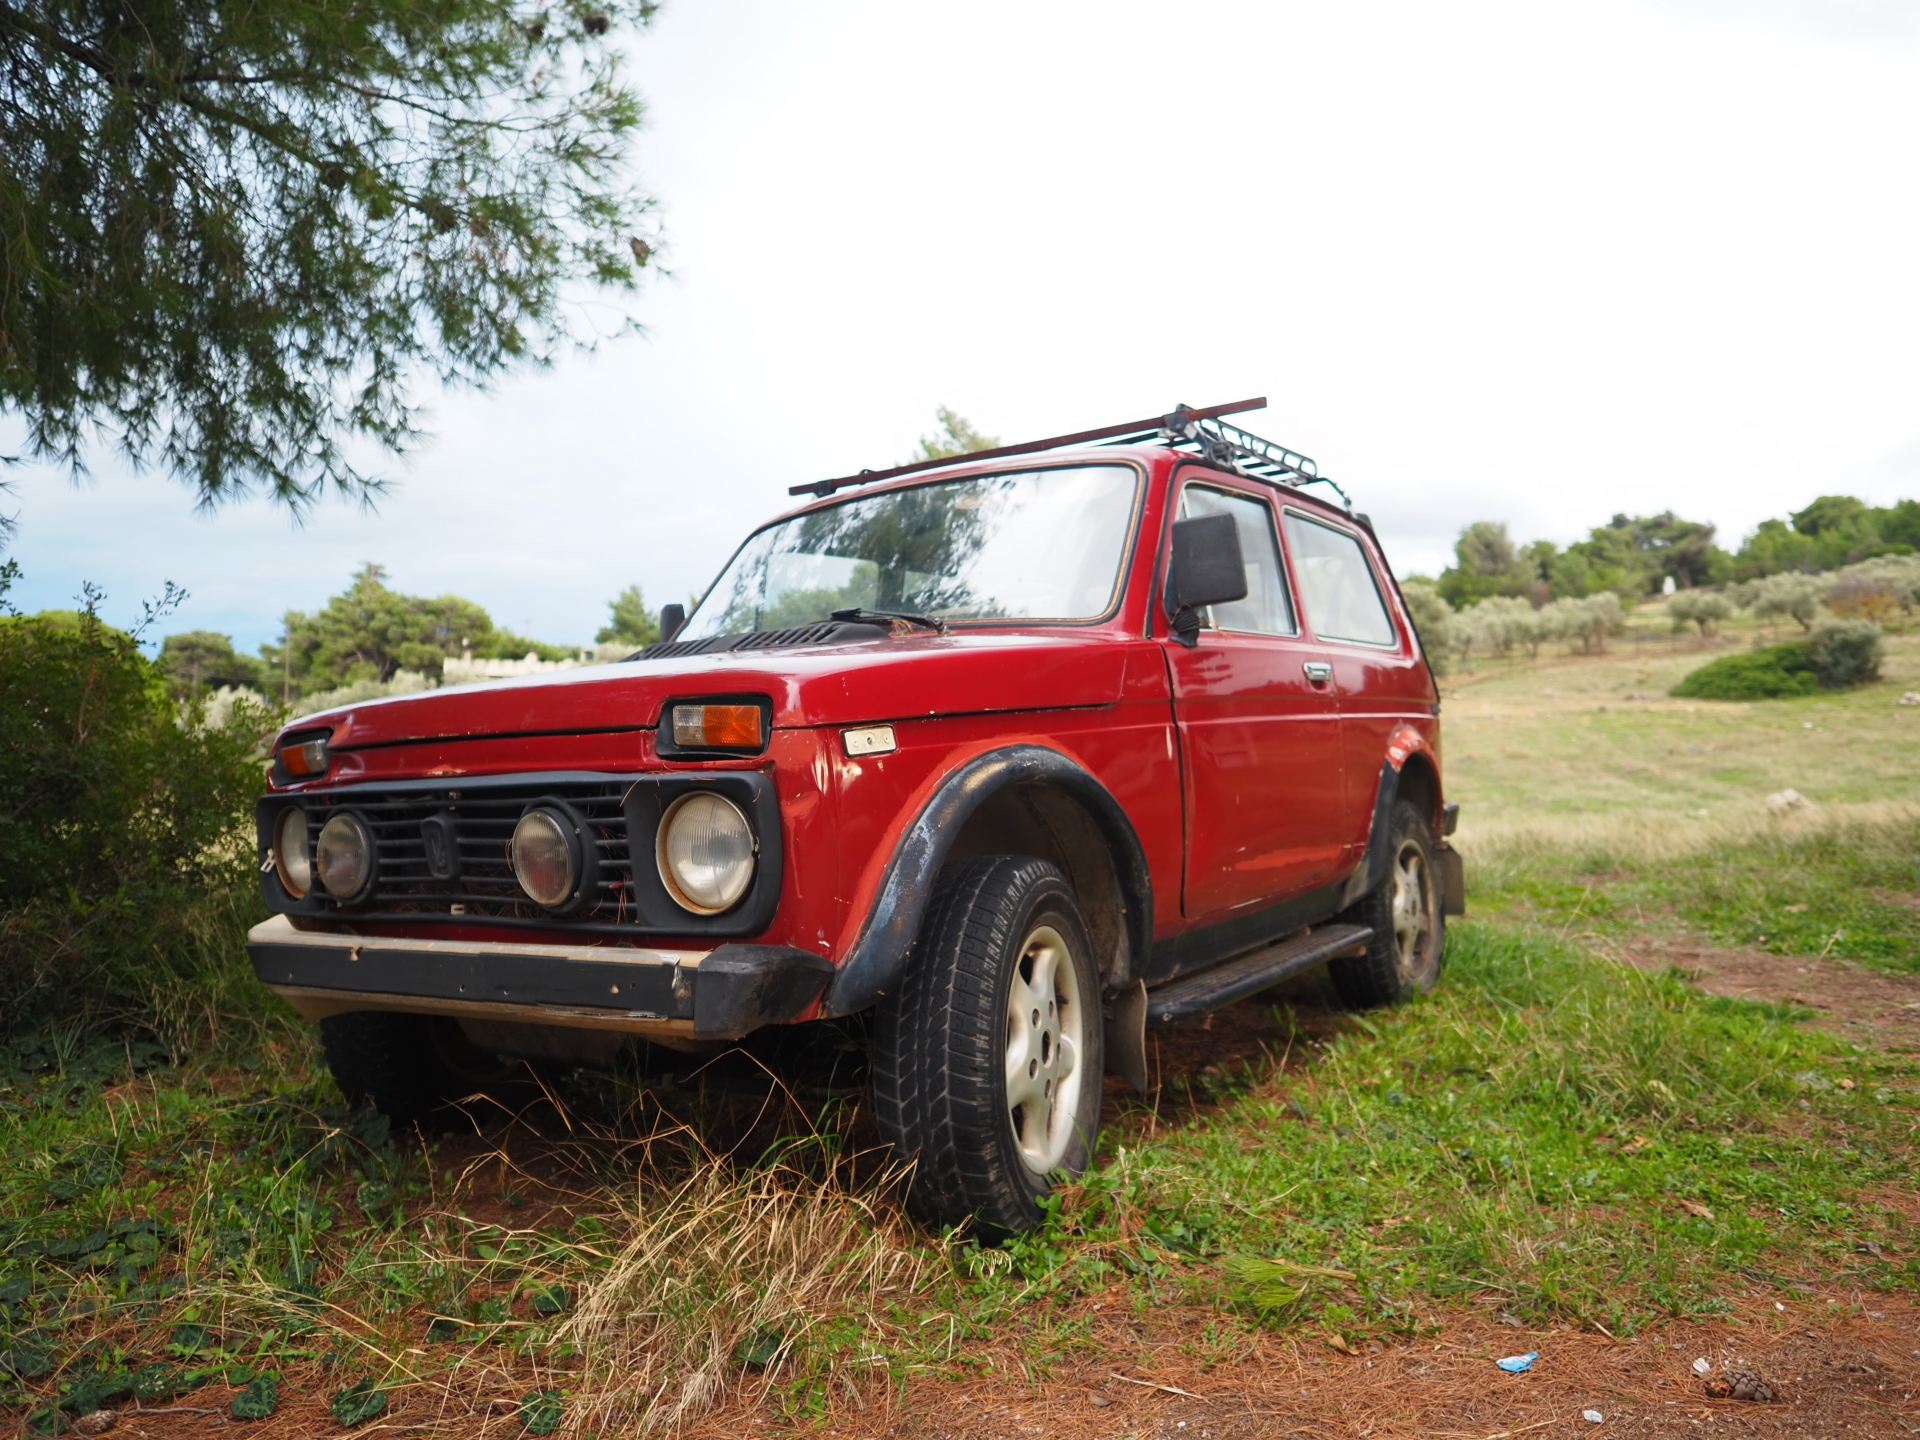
x: 1773, y: 673
x: 126, y: 862
x: 1863, y: 597
x: 1845, y: 653
x: 1872, y: 584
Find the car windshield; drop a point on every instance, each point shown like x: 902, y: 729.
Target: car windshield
x: 1031, y: 545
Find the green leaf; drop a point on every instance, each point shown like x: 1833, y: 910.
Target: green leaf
x: 259, y: 1399
x: 358, y: 1403
x: 542, y: 1411
x: 29, y: 1357
x: 759, y: 1349
x: 157, y: 1382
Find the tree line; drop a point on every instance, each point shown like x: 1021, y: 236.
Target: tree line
x: 1633, y: 555
x: 1859, y: 563
x: 371, y: 632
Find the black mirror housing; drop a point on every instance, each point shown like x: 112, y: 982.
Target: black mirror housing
x: 1207, y: 568
x: 672, y: 617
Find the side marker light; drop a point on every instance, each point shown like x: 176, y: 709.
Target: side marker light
x: 869, y: 740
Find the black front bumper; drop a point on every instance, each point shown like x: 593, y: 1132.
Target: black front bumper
x: 725, y: 993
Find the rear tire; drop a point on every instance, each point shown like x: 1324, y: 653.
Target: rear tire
x: 1405, y: 912
x: 987, y: 1058
x: 416, y: 1069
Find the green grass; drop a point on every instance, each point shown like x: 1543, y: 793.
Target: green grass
x: 1559, y: 752
x: 1529, y: 1134
x: 1529, y: 1137
x: 1848, y: 888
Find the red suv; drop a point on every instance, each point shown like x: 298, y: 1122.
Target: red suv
x: 1023, y: 752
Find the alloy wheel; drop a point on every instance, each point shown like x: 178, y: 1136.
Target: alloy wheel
x: 1045, y: 1040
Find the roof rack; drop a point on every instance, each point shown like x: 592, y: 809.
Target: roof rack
x: 1199, y: 432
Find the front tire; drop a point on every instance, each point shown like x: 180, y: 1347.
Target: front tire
x: 987, y: 1058
x: 416, y: 1069
x: 1405, y: 913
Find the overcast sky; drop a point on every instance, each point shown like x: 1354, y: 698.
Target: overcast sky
x: 1537, y: 263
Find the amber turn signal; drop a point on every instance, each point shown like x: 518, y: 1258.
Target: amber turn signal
x: 304, y: 760
x: 718, y: 727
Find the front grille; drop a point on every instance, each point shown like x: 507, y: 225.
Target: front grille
x: 483, y: 821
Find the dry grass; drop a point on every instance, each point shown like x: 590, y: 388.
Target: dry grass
x: 775, y: 1267
x: 1596, y: 842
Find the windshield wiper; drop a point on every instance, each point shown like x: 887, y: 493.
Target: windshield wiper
x: 858, y: 613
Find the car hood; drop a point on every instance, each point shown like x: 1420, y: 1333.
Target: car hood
x: 886, y: 680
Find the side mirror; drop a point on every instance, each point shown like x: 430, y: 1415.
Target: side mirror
x: 1207, y: 569
x: 672, y: 617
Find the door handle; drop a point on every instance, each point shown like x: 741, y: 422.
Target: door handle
x: 1318, y: 671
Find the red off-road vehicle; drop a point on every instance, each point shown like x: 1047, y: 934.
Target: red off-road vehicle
x: 1022, y: 751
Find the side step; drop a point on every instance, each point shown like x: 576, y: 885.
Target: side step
x: 1193, y: 996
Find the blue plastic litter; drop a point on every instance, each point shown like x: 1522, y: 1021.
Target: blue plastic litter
x: 1514, y: 1364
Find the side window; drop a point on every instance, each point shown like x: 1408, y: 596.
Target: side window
x: 1337, y: 585
x: 1267, y: 610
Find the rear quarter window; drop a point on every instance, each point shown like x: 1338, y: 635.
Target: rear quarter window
x: 1341, y: 598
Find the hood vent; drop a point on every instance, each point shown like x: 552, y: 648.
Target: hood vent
x: 824, y: 632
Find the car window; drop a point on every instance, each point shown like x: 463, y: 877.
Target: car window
x: 1268, y: 609
x: 1336, y: 584
x: 1025, y: 545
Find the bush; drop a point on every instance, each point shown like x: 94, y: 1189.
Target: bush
x: 1774, y: 673
x: 1845, y: 653
x: 126, y: 856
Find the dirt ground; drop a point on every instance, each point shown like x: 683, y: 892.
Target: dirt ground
x: 1840, y: 1364
x: 1858, y: 1374
x: 1864, y: 1007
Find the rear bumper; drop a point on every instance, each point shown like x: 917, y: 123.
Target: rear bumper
x: 718, y: 994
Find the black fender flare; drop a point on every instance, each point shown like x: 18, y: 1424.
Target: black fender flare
x: 873, y: 966
x: 1371, y: 873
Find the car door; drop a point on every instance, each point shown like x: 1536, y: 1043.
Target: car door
x: 1378, y: 680
x: 1259, y: 727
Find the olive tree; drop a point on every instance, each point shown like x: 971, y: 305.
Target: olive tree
x: 1703, y: 608
x: 233, y: 237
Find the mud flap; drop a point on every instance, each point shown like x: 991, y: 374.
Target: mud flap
x: 1453, y: 880
x: 1126, y: 1014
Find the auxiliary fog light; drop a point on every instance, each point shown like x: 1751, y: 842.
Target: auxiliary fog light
x: 343, y: 856
x: 545, y: 861
x: 705, y: 852
x: 291, y: 857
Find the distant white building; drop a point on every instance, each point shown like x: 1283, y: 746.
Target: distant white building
x: 464, y: 669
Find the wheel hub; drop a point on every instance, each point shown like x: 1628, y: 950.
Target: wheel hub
x: 1411, y: 903
x: 1044, y: 1041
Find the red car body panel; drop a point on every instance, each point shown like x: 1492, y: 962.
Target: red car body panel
x: 1244, y: 781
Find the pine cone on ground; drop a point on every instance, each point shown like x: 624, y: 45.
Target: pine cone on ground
x: 1739, y: 1385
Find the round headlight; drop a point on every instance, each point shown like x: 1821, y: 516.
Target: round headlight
x: 290, y: 855
x: 343, y: 856
x: 705, y: 852
x: 543, y: 857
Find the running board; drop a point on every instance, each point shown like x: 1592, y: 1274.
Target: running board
x: 1193, y: 996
